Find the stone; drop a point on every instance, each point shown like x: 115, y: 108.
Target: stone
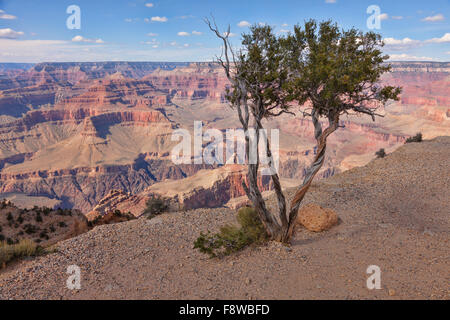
x: 317, y: 219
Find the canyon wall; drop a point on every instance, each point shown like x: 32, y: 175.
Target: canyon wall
x: 73, y: 132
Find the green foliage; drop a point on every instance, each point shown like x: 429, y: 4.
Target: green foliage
x: 62, y: 224
x: 336, y: 71
x: 155, y: 206
x: 231, y: 238
x: 38, y: 217
x: 417, y: 138
x: 380, y: 154
x: 30, y: 229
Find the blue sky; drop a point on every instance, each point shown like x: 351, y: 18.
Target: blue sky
x: 173, y: 30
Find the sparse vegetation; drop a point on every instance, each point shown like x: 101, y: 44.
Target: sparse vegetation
x: 232, y: 238
x: 380, y: 154
x: 155, y: 206
x: 417, y: 138
x: 11, y: 251
x: 30, y: 229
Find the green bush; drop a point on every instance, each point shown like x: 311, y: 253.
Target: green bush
x: 38, y: 217
x: 232, y: 238
x: 417, y: 138
x: 155, y: 206
x: 380, y: 154
x: 30, y: 229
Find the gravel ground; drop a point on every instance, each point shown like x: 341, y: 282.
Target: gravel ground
x: 394, y: 213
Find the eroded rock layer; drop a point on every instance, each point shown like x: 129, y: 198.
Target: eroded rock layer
x: 73, y: 132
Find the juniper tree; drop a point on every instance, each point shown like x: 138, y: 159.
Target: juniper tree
x: 324, y: 71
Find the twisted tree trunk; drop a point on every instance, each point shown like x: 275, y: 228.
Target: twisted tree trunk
x: 321, y: 138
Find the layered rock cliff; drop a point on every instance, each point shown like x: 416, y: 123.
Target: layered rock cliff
x: 75, y: 131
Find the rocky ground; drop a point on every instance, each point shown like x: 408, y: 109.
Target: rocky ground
x: 394, y: 213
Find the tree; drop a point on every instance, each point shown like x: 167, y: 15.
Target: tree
x: 325, y: 71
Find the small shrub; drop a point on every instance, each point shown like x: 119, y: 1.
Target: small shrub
x: 38, y: 217
x: 417, y: 138
x: 155, y: 206
x: 231, y: 238
x: 62, y: 224
x: 46, y: 211
x: 44, y: 235
x: 10, y: 217
x: 30, y: 229
x: 20, y: 219
x: 380, y: 154
x: 2, y: 237
x: 52, y: 228
x: 24, y: 248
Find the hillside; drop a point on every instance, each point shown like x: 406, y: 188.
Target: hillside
x: 393, y: 211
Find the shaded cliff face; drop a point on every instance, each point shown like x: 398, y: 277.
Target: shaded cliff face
x: 73, y: 132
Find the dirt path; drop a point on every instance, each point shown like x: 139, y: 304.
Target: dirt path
x: 394, y: 214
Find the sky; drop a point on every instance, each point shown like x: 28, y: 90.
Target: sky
x: 174, y: 30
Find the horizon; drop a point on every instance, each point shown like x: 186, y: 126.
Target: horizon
x: 174, y: 30
x: 185, y: 62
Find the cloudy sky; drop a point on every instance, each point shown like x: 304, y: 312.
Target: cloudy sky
x: 173, y: 30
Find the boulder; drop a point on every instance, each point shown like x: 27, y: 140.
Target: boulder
x: 317, y: 219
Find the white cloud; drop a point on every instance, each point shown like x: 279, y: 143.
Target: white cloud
x: 401, y: 44
x: 284, y: 31
x: 243, y: 24
x: 404, y: 41
x: 448, y: 52
x: 183, y: 34
x: 186, y: 45
x: 9, y: 33
x: 5, y: 16
x: 128, y: 20
x: 82, y: 39
x: 397, y: 17
x: 444, y: 39
x: 438, y: 17
x: 330, y: 1
x: 34, y: 51
x: 197, y: 33
x: 149, y: 5
x: 384, y: 16
x: 159, y: 19
x: 151, y: 34
x: 407, y: 57
x: 284, y: 25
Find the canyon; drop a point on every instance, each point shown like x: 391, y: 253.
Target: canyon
x: 75, y: 133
